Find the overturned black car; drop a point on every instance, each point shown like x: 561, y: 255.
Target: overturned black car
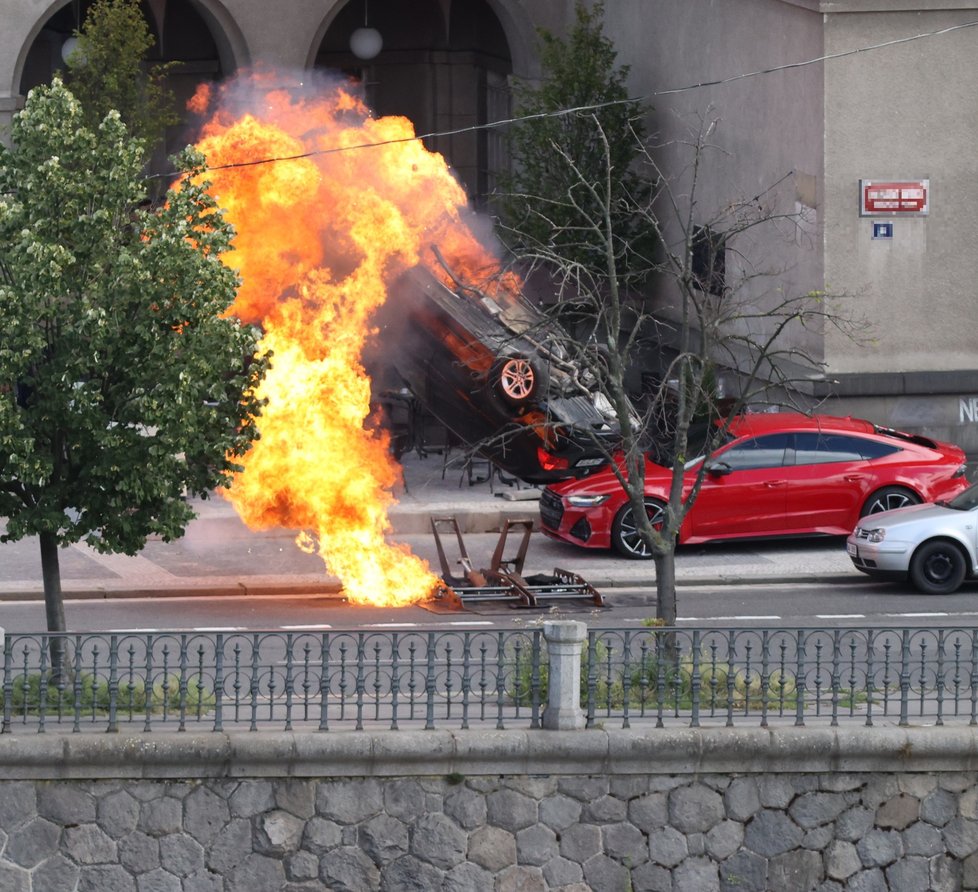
x: 498, y: 376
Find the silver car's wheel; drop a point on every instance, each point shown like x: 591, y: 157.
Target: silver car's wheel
x: 938, y: 568
x: 888, y: 498
x: 625, y: 536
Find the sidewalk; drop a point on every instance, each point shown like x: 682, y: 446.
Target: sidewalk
x: 219, y: 555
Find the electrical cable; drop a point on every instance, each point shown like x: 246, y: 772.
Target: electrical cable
x: 590, y: 107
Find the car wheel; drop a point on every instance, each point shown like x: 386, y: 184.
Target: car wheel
x: 938, y: 568
x: 516, y: 378
x: 625, y: 537
x: 887, y: 498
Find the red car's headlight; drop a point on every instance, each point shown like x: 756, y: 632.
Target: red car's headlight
x: 586, y: 501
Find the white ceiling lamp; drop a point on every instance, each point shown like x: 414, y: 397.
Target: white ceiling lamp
x: 366, y: 42
x: 68, y: 47
x: 71, y: 44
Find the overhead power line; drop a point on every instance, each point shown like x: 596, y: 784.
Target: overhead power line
x: 595, y: 106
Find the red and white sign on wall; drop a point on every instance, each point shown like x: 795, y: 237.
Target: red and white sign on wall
x: 893, y: 197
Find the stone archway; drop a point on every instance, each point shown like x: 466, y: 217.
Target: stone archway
x: 197, y: 34
x: 445, y: 65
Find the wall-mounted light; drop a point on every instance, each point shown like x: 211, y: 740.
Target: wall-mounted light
x: 366, y: 42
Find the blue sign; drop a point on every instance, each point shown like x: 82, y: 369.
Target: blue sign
x: 882, y: 230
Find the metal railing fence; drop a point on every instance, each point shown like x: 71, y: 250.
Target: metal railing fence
x: 735, y: 676
x: 355, y: 679
x: 270, y: 679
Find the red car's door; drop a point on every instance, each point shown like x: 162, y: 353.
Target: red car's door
x: 831, y: 479
x: 745, y: 494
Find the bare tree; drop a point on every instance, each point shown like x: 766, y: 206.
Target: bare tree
x: 725, y: 335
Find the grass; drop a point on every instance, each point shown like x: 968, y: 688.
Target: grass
x: 91, y: 695
x: 662, y: 682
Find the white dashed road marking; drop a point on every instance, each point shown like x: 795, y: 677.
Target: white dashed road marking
x: 916, y: 615
x: 722, y: 619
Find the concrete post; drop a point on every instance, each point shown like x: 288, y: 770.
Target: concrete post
x: 565, y: 641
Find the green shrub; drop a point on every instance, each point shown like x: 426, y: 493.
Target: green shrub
x: 93, y: 695
x: 168, y: 692
x: 721, y: 685
x: 661, y: 680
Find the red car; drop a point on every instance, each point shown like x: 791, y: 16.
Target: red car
x: 775, y: 474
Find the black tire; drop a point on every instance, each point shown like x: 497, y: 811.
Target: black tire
x: 625, y: 539
x: 516, y: 379
x: 938, y: 568
x: 887, y: 498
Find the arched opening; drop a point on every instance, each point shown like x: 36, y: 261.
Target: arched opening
x: 182, y: 35
x: 445, y: 66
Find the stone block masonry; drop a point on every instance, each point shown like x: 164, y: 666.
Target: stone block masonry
x: 688, y: 810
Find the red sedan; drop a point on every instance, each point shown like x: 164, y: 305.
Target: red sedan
x: 776, y: 474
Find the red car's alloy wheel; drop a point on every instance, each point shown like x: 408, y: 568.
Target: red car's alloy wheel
x: 888, y: 498
x: 625, y: 536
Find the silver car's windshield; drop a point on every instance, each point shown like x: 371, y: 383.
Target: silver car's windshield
x: 966, y: 500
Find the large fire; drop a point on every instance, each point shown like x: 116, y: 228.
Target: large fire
x: 320, y: 238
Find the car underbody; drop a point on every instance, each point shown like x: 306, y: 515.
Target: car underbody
x: 497, y: 375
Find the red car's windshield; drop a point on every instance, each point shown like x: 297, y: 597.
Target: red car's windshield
x: 697, y: 445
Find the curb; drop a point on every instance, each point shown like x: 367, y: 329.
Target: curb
x: 412, y: 523
x: 485, y: 752
x: 266, y: 589
x: 333, y: 590
x: 746, y: 579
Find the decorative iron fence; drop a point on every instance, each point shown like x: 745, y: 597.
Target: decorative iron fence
x: 734, y: 676
x: 332, y: 680
x: 251, y: 680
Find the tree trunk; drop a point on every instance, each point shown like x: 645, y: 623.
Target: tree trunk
x: 665, y: 587
x: 51, y: 573
x: 53, y: 601
x: 665, y: 584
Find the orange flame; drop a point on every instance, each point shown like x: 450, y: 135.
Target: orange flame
x: 320, y: 237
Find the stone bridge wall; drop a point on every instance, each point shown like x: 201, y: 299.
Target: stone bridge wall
x: 677, y: 810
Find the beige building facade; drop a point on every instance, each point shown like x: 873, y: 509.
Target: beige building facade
x: 903, y: 113
x: 811, y: 99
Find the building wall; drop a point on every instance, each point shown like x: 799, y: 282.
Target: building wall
x: 247, y: 34
x: 438, y: 85
x: 903, y: 112
x: 799, y: 138
x: 686, y: 809
x: 767, y: 140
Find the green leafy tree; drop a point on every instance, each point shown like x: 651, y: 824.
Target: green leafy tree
x: 580, y: 128
x: 124, y: 386
x: 107, y: 70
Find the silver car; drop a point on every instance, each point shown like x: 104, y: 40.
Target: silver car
x: 933, y: 544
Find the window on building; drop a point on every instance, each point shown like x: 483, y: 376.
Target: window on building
x: 708, y: 260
